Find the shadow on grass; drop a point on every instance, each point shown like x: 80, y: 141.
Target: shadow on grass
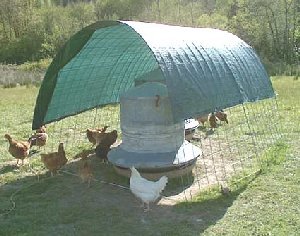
x: 84, y: 153
x: 207, y: 210
x: 178, y: 185
x: 7, y: 169
x: 62, y: 205
x: 211, y: 205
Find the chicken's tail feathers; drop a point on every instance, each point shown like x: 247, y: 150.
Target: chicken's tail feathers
x: 163, y: 182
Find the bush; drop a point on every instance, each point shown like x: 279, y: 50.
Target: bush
x: 40, y: 65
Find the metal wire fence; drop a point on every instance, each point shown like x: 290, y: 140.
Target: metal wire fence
x: 228, y: 150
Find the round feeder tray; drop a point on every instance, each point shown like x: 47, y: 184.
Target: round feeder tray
x: 155, y: 173
x: 154, y: 165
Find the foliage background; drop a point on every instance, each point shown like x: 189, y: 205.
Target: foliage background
x: 31, y: 30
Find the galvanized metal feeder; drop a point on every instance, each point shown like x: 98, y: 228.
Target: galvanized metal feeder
x: 151, y: 140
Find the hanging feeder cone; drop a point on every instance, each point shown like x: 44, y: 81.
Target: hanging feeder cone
x: 161, y: 75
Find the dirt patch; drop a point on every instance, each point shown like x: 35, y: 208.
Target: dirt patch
x: 209, y: 170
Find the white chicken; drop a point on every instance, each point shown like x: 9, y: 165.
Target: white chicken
x: 146, y: 190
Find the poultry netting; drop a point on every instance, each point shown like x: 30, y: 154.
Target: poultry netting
x: 228, y: 151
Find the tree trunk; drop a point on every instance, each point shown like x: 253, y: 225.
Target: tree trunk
x: 274, y: 30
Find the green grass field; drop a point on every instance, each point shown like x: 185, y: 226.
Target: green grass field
x: 32, y: 203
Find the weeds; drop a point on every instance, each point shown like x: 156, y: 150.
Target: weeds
x: 12, y: 76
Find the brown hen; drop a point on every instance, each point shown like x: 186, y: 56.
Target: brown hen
x: 103, y: 147
x: 222, y: 116
x: 39, y: 138
x: 212, y: 120
x: 18, y: 149
x: 55, y: 160
x: 202, y: 119
x: 86, y: 171
x: 94, y: 134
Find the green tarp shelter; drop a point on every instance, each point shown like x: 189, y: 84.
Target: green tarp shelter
x: 204, y: 69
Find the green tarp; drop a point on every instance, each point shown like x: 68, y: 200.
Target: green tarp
x: 204, y: 69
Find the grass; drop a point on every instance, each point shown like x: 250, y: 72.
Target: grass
x: 16, y: 110
x: 262, y: 204
x: 268, y: 206
x: 275, y: 155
